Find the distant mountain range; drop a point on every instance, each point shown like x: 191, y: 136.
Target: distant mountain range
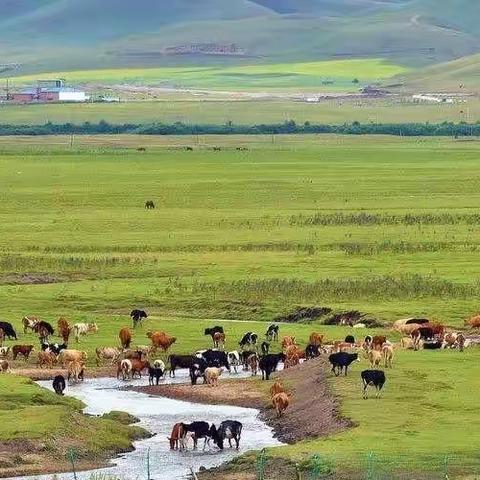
x: 45, y: 35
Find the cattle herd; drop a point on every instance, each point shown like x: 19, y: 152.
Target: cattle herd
x: 253, y: 354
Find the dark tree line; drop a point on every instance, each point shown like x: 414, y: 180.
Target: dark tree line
x: 290, y: 127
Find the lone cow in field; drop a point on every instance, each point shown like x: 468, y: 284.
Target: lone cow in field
x: 138, y: 316
x: 375, y: 378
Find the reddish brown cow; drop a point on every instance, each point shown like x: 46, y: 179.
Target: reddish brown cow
x: 280, y: 402
x: 64, y: 329
x: 138, y: 366
x: 316, y: 339
x: 218, y: 338
x: 288, y: 341
x: 473, y: 322
x: 24, y: 350
x: 161, y: 340
x: 176, y: 436
x: 378, y: 341
x: 125, y: 336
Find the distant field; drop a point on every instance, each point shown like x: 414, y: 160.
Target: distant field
x: 340, y: 74
x: 170, y: 109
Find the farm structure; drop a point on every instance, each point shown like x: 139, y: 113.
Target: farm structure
x: 48, y: 91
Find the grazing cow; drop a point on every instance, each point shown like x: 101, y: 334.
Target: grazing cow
x: 155, y: 373
x: 125, y: 368
x: 112, y: 354
x: 277, y: 387
x: 341, y: 361
x: 59, y: 384
x: 67, y: 356
x: 149, y: 204
x: 54, y: 348
x: 287, y: 341
x: 64, y: 329
x: 265, y: 347
x: 432, y: 345
x: 161, y: 340
x: 82, y: 329
x: 375, y: 378
x: 293, y: 355
x: 249, y: 339
x: 234, y: 360
x: 181, y: 361
x: 24, y: 350
x: 138, y: 316
x: 138, y: 366
x: 387, y: 352
x: 8, y: 330
x: 230, y: 430
x: 76, y: 371
x: 44, y: 329
x: 316, y: 339
x: 4, y: 351
x: 473, y: 322
x: 46, y: 359
x: 175, y: 437
x: 312, y: 351
x: 374, y: 357
x: 4, y: 366
x: 213, y: 330
x: 272, y: 333
x: 199, y: 430
x: 125, y: 336
x: 350, y: 339
x: 378, y: 341
x: 219, y: 339
x: 252, y: 362
x: 280, y: 402
x: 132, y: 354
x: 29, y: 322
x: 268, y: 364
x: 212, y: 375
x: 216, y: 358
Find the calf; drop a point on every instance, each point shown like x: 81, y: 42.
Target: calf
x: 234, y: 360
x: 59, y: 384
x: 213, y: 330
x: 230, y: 430
x: 175, y: 437
x: 375, y: 357
x: 24, y: 350
x: 212, y: 375
x: 219, y: 340
x: 8, y: 330
x: 268, y: 364
x: 154, y: 375
x: 199, y: 430
x: 252, y: 362
x: 387, y: 352
x: 82, y: 329
x: 280, y: 402
x: 341, y: 361
x: 76, y: 371
x: 374, y: 378
x: 272, y: 333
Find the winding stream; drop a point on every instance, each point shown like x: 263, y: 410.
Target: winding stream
x: 158, y: 415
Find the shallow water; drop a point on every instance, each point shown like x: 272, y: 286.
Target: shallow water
x: 158, y: 415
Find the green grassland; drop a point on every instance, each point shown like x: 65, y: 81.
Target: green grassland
x: 170, y: 109
x: 388, y: 226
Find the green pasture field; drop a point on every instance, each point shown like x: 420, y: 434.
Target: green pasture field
x: 187, y: 109
x: 339, y: 73
x: 387, y: 226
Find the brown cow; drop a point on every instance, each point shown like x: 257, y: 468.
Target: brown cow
x: 46, y: 359
x: 280, y: 402
x: 125, y: 336
x: 176, y: 436
x: 378, y: 341
x: 277, y: 387
x: 219, y: 338
x: 138, y: 366
x: 316, y: 339
x: 24, y: 350
x: 287, y: 341
x: 4, y: 366
x: 76, y: 371
x: 161, y: 340
x: 473, y: 322
x: 29, y: 322
x: 64, y: 329
x: 67, y: 356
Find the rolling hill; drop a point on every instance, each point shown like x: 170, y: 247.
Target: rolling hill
x: 53, y: 35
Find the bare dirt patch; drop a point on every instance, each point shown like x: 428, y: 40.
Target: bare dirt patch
x: 31, y: 279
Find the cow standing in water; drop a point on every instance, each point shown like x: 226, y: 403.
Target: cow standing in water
x: 230, y: 430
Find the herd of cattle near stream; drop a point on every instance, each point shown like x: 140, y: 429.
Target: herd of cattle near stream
x: 258, y: 354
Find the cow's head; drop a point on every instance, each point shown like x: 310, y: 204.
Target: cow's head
x: 216, y: 436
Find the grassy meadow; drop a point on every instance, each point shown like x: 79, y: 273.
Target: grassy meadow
x: 387, y: 226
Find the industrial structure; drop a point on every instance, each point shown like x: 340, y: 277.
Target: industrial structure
x: 49, y: 91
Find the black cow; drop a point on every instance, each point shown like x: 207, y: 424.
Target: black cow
x: 198, y: 430
x: 154, y: 374
x: 8, y: 330
x: 272, y: 333
x: 375, y: 378
x: 149, y: 204
x: 432, y: 345
x: 340, y: 361
x: 265, y: 346
x: 59, y: 384
x: 312, y: 351
x: 244, y: 357
x: 181, y: 361
x: 216, y: 358
x: 248, y: 339
x: 212, y: 331
x: 55, y: 348
x: 228, y: 430
x: 350, y: 339
x: 197, y: 370
x: 138, y: 316
x: 268, y: 364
